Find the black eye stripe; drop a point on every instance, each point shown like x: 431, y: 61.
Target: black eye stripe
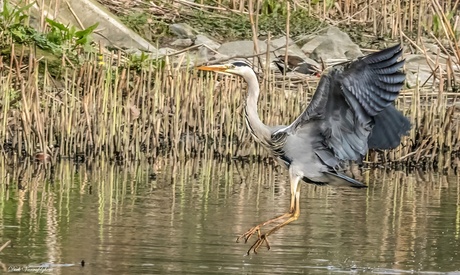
x: 241, y: 64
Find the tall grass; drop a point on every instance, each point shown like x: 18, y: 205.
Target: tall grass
x: 389, y: 17
x: 122, y: 114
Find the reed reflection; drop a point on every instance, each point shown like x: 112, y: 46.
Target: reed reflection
x: 184, y: 215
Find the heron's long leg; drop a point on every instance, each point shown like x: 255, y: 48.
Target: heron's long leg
x: 292, y: 217
x: 294, y: 182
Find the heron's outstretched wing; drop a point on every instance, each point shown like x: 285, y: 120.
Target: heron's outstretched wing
x: 348, y: 99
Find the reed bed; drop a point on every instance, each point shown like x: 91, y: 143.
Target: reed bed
x: 112, y: 111
x: 387, y: 17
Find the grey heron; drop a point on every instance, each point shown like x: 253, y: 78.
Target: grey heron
x: 350, y: 112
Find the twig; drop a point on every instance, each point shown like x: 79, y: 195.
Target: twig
x: 447, y: 29
x: 253, y: 27
x: 427, y: 57
x: 207, y: 7
x: 267, y: 57
x: 287, y: 37
x: 5, y: 245
x: 441, y: 46
x: 406, y: 156
x: 191, y: 48
x: 75, y: 16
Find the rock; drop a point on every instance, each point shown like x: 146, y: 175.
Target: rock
x: 241, y: 48
x: 159, y: 53
x: 245, y: 49
x: 133, y: 51
x: 205, y: 56
x: 182, y: 42
x: 417, y: 70
x: 110, y: 30
x: 183, y: 30
x: 202, y: 39
x: 415, y: 62
x: 422, y: 77
x: 164, y: 51
x: 430, y: 47
x: 293, y: 49
x: 279, y: 45
x: 353, y: 52
x: 202, y: 56
x: 183, y: 60
x: 218, y: 58
x: 331, y: 44
x: 328, y: 50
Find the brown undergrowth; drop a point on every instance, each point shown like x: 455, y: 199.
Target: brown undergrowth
x: 106, y: 109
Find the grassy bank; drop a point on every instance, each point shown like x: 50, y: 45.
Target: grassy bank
x: 366, y: 21
x: 83, y: 105
x: 110, y: 110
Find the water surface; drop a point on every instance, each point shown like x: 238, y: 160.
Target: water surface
x: 183, y: 217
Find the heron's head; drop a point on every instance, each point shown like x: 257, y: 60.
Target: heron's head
x: 240, y: 68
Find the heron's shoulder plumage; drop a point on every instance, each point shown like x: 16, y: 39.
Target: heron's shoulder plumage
x: 347, y: 100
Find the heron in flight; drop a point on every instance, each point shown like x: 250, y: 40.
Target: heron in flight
x: 350, y: 112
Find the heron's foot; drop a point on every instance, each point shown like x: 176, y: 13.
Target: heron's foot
x: 246, y: 236
x: 260, y: 241
x: 249, y: 233
x: 262, y: 238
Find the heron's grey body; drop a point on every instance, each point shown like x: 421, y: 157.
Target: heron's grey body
x: 350, y: 112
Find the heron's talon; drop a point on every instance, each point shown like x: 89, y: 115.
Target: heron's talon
x: 267, y: 244
x: 246, y: 236
x: 262, y: 239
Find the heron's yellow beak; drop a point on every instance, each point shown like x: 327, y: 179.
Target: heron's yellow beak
x: 215, y: 68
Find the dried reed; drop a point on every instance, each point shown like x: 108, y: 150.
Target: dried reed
x: 122, y: 114
x: 390, y: 17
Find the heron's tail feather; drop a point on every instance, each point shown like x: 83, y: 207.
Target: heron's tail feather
x: 390, y: 125
x: 337, y: 179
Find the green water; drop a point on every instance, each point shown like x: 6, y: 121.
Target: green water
x: 183, y: 217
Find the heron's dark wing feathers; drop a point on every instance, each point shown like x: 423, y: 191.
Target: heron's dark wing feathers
x: 374, y: 81
x: 347, y: 100
x: 390, y: 125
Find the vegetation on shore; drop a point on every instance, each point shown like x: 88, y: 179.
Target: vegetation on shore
x: 99, y: 106
x: 367, y: 22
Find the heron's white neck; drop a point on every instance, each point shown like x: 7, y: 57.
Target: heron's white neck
x: 258, y: 129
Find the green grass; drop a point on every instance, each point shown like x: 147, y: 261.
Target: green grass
x: 222, y: 26
x: 237, y: 26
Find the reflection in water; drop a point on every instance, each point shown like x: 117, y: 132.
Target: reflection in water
x: 184, y: 217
